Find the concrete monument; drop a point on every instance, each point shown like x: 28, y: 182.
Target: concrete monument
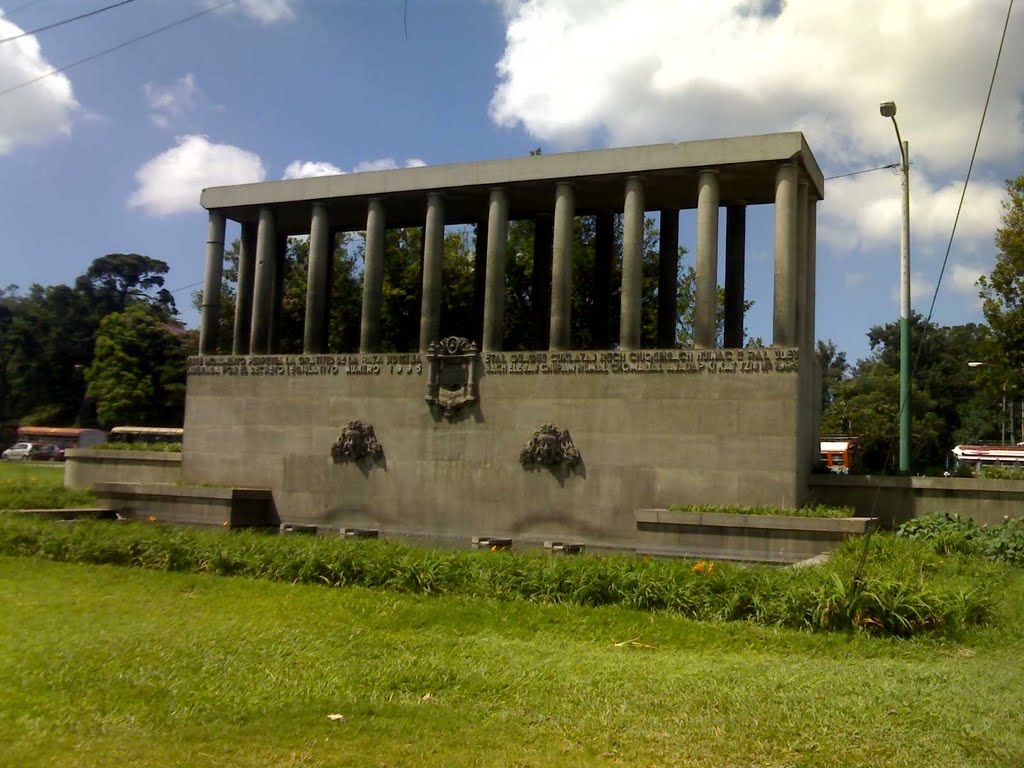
x: 650, y: 427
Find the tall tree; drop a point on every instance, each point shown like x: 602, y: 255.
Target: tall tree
x: 138, y: 373
x: 118, y: 278
x: 1002, y: 294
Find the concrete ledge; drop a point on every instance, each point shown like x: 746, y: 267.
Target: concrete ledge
x: 758, y: 538
x: 769, y: 522
x: 84, y: 467
x: 191, y: 505
x: 75, y: 513
x: 897, y: 499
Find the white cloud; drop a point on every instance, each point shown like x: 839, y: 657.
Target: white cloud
x: 963, y: 279
x: 38, y: 112
x: 172, y: 181
x: 638, y: 71
x: 865, y: 211
x: 305, y: 169
x: 263, y: 11
x: 386, y: 164
x: 171, y: 101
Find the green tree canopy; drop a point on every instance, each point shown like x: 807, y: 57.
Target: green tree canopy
x: 138, y: 373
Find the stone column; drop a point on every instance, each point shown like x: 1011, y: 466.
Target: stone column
x: 631, y: 296
x: 277, y: 302
x: 801, y: 263
x: 604, y: 255
x: 668, y: 278
x: 494, y: 295
x: 540, y: 289
x: 784, y: 316
x: 263, y: 286
x: 706, y: 301
x: 479, y: 278
x: 433, y: 245
x: 211, y: 284
x: 735, y: 269
x: 561, y: 267
x: 373, y: 277
x: 314, y: 339
x: 811, y: 340
x: 243, y: 297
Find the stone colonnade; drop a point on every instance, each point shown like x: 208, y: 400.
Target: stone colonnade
x: 262, y: 247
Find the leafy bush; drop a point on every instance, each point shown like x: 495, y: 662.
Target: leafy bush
x: 159, y: 447
x: 995, y: 472
x: 946, y: 533
x: 906, y: 589
x: 819, y: 510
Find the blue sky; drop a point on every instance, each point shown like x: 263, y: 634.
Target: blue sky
x: 111, y: 156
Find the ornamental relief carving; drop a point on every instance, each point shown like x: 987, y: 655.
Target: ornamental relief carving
x: 357, y: 441
x: 550, y: 447
x: 451, y: 374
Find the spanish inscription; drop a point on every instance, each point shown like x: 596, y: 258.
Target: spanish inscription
x: 599, y: 363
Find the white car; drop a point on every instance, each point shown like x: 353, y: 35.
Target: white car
x: 24, y: 452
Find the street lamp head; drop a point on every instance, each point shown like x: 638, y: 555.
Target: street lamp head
x: 976, y: 364
x: 887, y: 108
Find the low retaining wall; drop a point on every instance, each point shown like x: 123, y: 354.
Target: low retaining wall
x: 190, y: 505
x: 84, y: 467
x: 760, y: 538
x: 897, y: 499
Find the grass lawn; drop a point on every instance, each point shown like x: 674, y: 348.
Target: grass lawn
x: 113, y: 666
x: 46, y: 472
x: 38, y: 485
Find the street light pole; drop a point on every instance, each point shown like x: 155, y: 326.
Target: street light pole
x: 888, y: 109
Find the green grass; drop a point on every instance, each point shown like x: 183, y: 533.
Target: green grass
x: 38, y: 485
x: 819, y: 510
x: 157, y: 447
x: 909, y: 590
x: 103, y: 666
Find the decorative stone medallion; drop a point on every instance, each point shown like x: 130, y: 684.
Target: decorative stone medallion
x: 550, y: 447
x: 357, y: 440
x: 451, y: 374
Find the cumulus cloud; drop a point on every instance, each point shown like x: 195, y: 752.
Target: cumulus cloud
x: 171, y: 181
x: 963, y: 279
x: 637, y: 71
x: 386, y: 164
x: 36, y: 113
x: 306, y: 169
x: 168, y: 102
x: 864, y: 211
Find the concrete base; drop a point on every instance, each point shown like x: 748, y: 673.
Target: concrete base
x: 754, y: 538
x: 653, y: 428
x: 897, y: 499
x: 83, y: 467
x: 220, y: 507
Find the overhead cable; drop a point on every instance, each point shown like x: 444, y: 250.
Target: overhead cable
x: 56, y: 24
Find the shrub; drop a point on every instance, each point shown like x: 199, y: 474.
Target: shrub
x: 996, y: 472
x: 945, y: 532
x: 819, y: 510
x: 906, y: 590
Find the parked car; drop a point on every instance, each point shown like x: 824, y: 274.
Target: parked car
x: 22, y: 452
x: 49, y: 452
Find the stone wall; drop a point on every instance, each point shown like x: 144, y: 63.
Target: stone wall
x: 653, y: 428
x: 897, y: 499
x: 84, y: 467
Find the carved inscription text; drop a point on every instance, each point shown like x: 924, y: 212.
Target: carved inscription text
x: 677, y: 361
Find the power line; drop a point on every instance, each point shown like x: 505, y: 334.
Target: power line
x: 970, y: 167
x: 56, y: 24
x: 125, y: 44
x: 866, y: 170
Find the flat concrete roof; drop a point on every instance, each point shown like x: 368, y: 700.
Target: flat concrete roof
x: 746, y: 166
